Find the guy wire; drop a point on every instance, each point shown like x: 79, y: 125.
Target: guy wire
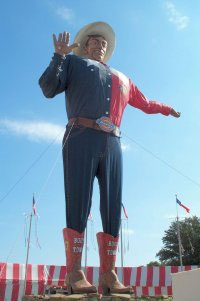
x: 163, y: 161
x: 54, y: 165
x: 131, y: 139
x: 29, y: 168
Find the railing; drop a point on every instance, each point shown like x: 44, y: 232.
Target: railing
x: 146, y: 281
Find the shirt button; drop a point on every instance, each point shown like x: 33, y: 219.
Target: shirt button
x: 109, y: 86
x: 108, y: 98
x: 107, y: 113
x: 91, y: 69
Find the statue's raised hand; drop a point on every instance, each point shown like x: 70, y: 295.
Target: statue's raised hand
x: 61, y: 44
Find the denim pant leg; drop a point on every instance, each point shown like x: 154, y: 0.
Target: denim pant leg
x: 110, y: 181
x: 80, y: 160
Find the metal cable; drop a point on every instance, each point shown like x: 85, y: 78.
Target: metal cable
x: 29, y: 168
x: 164, y: 162
x: 54, y: 165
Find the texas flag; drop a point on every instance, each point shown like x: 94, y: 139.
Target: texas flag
x: 34, y: 206
x: 180, y: 204
x: 90, y: 216
x: 125, y: 213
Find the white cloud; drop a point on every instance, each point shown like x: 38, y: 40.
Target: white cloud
x: 65, y: 13
x: 128, y: 231
x: 125, y: 147
x: 38, y: 131
x: 175, y: 17
x: 172, y: 217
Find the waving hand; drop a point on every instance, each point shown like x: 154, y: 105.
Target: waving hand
x: 61, y: 44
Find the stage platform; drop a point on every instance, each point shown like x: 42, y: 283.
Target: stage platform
x: 75, y: 297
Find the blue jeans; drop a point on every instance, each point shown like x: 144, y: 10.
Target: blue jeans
x: 88, y: 153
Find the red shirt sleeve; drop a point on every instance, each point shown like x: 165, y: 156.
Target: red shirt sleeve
x: 138, y: 100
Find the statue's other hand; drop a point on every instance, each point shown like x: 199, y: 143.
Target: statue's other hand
x: 174, y: 113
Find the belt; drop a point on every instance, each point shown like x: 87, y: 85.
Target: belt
x: 98, y: 124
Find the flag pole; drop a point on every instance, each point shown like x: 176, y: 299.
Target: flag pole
x: 86, y: 247
x: 27, y: 254
x: 179, y: 237
x: 122, y: 253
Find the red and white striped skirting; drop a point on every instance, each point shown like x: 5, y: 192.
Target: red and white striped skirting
x: 146, y: 281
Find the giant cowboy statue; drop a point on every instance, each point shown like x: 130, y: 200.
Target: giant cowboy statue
x: 96, y: 96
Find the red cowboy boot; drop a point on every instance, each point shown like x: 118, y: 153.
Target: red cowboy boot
x: 108, y: 279
x: 76, y: 281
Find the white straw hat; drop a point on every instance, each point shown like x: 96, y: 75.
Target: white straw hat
x: 99, y: 28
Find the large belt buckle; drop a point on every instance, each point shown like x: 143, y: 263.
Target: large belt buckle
x: 105, y: 124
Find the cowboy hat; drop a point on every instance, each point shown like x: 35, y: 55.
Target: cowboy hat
x: 96, y: 28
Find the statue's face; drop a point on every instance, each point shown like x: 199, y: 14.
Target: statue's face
x: 95, y: 48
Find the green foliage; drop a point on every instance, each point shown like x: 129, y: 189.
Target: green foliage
x: 154, y: 263
x: 190, y: 239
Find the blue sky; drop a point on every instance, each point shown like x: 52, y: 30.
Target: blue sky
x: 158, y: 47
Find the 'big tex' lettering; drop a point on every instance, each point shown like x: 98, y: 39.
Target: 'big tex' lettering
x: 77, y: 249
x: 78, y: 240
x: 112, y: 243
x: 111, y: 252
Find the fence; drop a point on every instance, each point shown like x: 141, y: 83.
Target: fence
x: 146, y: 281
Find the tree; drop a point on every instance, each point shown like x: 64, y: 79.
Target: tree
x: 154, y: 263
x: 190, y: 243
